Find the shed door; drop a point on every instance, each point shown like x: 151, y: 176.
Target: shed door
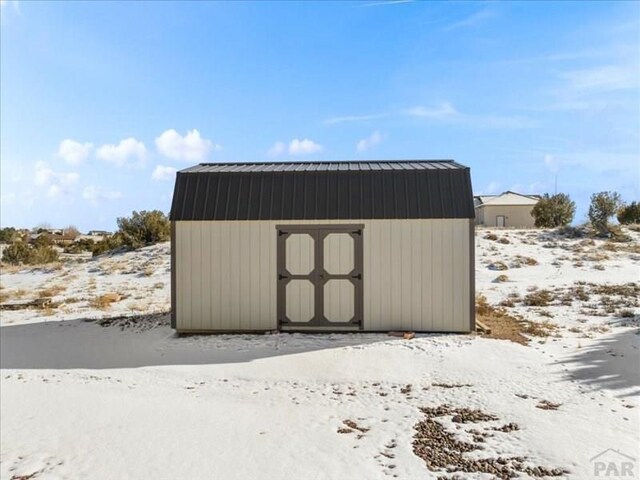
x: 501, y: 221
x: 320, y: 277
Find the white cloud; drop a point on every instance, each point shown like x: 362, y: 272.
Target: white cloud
x: 354, y: 118
x: 74, y: 152
x: 192, y: 147
x: 443, y: 111
x: 163, y: 173
x: 552, y: 163
x: 602, y: 78
x: 472, y: 20
x: 56, y: 183
x: 371, y: 141
x: 303, y: 147
x: 96, y: 194
x: 276, y: 149
x: 129, y: 152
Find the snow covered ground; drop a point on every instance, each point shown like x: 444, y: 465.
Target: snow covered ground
x: 123, y: 400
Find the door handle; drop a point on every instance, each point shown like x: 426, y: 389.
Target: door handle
x: 358, y: 276
x: 282, y: 277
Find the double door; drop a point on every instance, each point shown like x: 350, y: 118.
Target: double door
x: 319, y: 270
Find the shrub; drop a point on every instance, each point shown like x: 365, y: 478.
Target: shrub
x: 79, y: 246
x: 604, y: 205
x: 107, y: 244
x: 539, y: 298
x: 144, y: 228
x: 21, y: 253
x: 628, y: 214
x: 8, y: 234
x: 554, y: 211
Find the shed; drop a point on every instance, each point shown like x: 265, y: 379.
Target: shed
x: 323, y: 246
x: 509, y: 209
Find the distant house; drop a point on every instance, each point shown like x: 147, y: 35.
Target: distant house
x: 98, y: 233
x: 509, y: 209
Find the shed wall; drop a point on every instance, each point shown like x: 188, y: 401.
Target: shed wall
x: 517, y: 216
x: 417, y: 274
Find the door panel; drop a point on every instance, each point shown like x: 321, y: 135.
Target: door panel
x: 339, y: 299
x: 339, y: 253
x: 300, y: 302
x: 320, y: 276
x: 299, y: 257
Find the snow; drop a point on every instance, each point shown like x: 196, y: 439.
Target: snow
x: 81, y: 400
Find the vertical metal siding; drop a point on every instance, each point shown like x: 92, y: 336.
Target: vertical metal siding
x: 417, y: 275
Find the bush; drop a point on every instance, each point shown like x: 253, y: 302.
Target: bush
x: 604, y: 205
x: 8, y: 234
x: 144, y: 228
x: 107, y: 244
x: 554, y: 211
x: 79, y: 246
x: 21, y: 253
x: 628, y: 214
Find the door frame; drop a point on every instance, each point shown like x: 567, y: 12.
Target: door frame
x: 319, y: 276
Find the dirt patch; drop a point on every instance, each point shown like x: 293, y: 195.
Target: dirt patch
x: 442, y: 451
x: 136, y: 322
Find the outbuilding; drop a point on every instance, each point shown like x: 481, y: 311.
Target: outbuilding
x: 323, y: 246
x: 508, y: 209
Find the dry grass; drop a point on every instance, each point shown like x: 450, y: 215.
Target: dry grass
x: 12, y: 294
x: 103, y: 302
x: 491, y: 236
x: 503, y: 240
x: 540, y: 329
x: 158, y: 285
x: 503, y: 326
x: 501, y: 278
x: 498, y: 265
x: 51, y: 291
x: 538, y: 298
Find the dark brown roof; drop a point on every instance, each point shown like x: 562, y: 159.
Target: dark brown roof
x: 323, y: 190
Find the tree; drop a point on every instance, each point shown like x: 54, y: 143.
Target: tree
x: 554, y: 211
x: 144, y: 228
x: 604, y: 205
x: 8, y: 235
x: 628, y: 214
x: 71, y: 231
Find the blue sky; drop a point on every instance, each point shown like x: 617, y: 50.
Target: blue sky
x: 101, y: 102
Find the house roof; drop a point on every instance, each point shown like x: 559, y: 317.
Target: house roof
x: 506, y: 198
x: 323, y: 190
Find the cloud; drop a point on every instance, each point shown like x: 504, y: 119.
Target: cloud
x: 296, y: 147
x: 443, y: 111
x: 354, y: 118
x: 472, y: 20
x: 552, y: 163
x: 74, y: 152
x: 303, y: 147
x: 163, y: 173
x: 56, y: 183
x: 371, y: 141
x: 276, y: 149
x: 95, y: 194
x: 192, y: 147
x: 602, y: 78
x: 129, y: 152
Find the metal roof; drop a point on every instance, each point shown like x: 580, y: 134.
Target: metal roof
x: 506, y: 198
x: 323, y: 190
x: 327, y: 166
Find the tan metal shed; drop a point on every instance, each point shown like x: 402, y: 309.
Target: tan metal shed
x: 323, y: 246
